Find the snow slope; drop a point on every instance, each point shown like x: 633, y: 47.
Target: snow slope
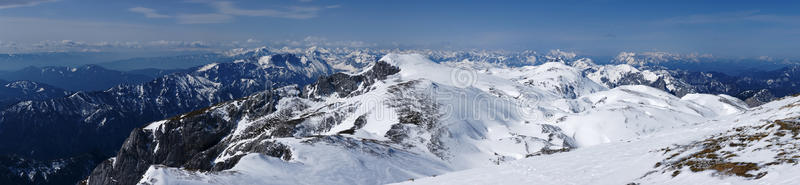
x: 636, y: 161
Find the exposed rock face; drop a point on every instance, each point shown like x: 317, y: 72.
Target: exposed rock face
x: 345, y: 85
x: 191, y: 140
x: 197, y: 140
x: 659, y: 83
x: 758, y: 97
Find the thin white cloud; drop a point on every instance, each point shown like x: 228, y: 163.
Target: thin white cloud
x: 182, y: 44
x: 4, y: 4
x: 8, y: 46
x: 169, y: 45
x: 148, y: 12
x: 227, y: 7
x: 85, y: 46
x: 324, y: 42
x: 732, y: 17
x: 34, y: 29
x: 204, y: 18
x: 80, y: 45
x: 106, y: 36
x: 227, y: 10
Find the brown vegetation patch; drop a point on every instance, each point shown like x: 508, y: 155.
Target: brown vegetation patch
x: 721, y: 153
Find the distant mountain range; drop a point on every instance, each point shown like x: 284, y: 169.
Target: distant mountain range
x: 166, y: 62
x: 10, y: 62
x: 83, y: 78
x: 13, y: 92
x: 111, y: 60
x: 755, y: 88
x: 36, y: 83
x: 701, y: 63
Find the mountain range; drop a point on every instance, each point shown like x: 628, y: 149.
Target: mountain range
x: 16, y: 91
x: 373, y: 116
x: 406, y: 117
x: 83, y: 78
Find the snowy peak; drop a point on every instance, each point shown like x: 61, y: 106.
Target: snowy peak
x: 584, y: 64
x: 406, y: 60
x: 560, y: 56
x: 417, y: 66
x: 245, y: 53
x: 556, y: 79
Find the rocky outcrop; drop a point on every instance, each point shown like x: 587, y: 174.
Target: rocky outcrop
x: 204, y: 139
x: 757, y: 98
x: 344, y: 85
x: 191, y: 140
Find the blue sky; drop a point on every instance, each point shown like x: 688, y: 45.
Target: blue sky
x: 600, y: 27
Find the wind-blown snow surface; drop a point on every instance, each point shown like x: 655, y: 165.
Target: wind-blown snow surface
x: 429, y: 119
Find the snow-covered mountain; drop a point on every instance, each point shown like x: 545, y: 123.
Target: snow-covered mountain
x: 677, y: 74
x: 405, y: 117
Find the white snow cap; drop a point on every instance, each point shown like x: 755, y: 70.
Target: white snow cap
x: 406, y: 59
